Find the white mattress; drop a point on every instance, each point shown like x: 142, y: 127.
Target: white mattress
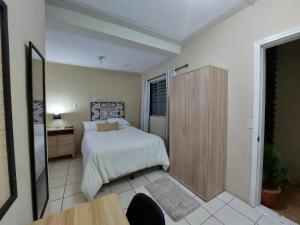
x: 39, y: 151
x: 108, y: 155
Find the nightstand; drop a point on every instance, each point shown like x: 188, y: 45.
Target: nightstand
x: 61, y: 142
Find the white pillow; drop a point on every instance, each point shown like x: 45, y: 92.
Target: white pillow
x: 122, y: 123
x: 38, y: 129
x: 91, y: 125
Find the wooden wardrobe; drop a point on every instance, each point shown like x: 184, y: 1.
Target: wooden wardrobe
x: 198, y: 130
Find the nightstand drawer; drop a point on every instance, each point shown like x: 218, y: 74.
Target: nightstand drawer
x: 52, y: 140
x: 65, y: 139
x: 66, y: 149
x: 52, y: 150
x: 61, y: 142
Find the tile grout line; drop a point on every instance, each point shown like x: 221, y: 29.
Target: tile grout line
x: 185, y: 220
x: 237, y: 211
x: 120, y: 192
x: 211, y: 215
x: 65, y: 188
x: 65, y: 182
x: 223, y: 206
x: 207, y: 219
x: 255, y: 222
x: 57, y: 187
x: 129, y: 190
x: 244, y: 214
x: 132, y: 186
x: 276, y: 217
x: 218, y: 220
x: 208, y: 210
x: 225, y: 201
x: 258, y: 219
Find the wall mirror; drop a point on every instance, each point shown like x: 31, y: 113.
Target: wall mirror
x: 8, y: 183
x: 37, y: 131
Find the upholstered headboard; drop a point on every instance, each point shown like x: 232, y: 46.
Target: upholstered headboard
x: 38, y: 111
x: 106, y: 110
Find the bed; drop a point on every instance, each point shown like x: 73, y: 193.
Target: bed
x: 112, y: 154
x: 39, y: 138
x: 39, y: 152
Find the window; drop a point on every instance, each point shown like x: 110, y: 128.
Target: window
x: 158, y: 98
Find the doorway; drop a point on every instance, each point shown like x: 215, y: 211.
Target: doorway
x: 281, y: 168
x: 262, y: 130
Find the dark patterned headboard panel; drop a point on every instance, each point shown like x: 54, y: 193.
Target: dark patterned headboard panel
x: 106, y: 110
x: 38, y: 111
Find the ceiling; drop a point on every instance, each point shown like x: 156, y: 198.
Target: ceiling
x: 68, y: 48
x: 134, y: 35
x: 176, y: 19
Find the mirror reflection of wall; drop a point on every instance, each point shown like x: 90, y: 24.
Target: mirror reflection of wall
x: 37, y: 77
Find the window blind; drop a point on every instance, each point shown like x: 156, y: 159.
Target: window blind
x: 158, y: 98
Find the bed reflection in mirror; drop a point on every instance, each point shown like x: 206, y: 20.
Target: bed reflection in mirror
x: 36, y: 95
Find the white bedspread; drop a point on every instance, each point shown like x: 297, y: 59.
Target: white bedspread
x: 108, y: 155
x: 39, y: 151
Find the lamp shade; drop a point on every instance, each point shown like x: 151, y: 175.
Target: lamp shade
x: 56, y: 116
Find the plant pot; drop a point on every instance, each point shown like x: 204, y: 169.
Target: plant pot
x: 269, y: 197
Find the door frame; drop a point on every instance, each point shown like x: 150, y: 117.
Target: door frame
x: 259, y: 107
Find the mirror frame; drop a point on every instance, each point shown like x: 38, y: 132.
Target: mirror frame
x: 31, y: 132
x: 7, y: 111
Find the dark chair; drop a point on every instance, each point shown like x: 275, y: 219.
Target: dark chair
x: 143, y: 210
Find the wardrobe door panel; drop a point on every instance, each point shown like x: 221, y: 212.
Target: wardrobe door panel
x: 177, y: 127
x: 197, y: 130
x: 217, y: 131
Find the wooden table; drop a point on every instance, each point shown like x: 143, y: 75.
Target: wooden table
x: 102, y: 211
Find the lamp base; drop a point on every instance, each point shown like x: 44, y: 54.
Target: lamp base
x: 57, y: 125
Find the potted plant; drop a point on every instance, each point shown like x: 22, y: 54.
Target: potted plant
x: 274, y: 176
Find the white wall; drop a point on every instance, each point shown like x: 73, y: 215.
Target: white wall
x: 26, y: 22
x: 157, y: 125
x: 69, y: 85
x: 229, y: 45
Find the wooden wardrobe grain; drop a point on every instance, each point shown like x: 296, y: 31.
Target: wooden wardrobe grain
x: 197, y: 125
x: 218, y: 100
x: 198, y: 130
x: 177, y: 127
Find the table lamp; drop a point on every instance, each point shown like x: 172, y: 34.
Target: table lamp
x: 57, y: 116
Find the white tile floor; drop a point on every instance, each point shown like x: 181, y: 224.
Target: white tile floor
x: 65, y: 179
